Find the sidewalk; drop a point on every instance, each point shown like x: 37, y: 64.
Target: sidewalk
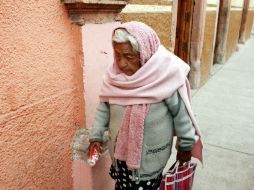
x: 224, y: 108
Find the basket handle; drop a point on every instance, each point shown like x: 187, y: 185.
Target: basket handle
x: 184, y: 164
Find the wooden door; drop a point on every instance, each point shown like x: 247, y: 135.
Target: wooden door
x: 183, y: 29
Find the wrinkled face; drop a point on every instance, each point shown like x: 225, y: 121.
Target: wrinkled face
x: 127, y: 59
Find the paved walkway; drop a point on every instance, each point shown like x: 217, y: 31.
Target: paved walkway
x: 224, y: 108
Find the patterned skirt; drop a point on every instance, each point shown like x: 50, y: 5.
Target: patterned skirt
x: 123, y: 178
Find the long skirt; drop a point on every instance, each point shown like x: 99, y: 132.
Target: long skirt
x: 123, y: 179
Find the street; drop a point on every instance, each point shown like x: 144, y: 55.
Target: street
x: 224, y: 110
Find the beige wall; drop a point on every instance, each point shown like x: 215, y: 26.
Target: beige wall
x: 237, y: 3
x: 214, y: 2
x: 156, y: 16
x: 208, y: 46
x: 151, y: 2
x: 162, y: 28
x: 40, y: 96
x: 233, y: 31
x: 249, y: 23
x: 252, y: 4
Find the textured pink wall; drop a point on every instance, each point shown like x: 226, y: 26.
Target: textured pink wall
x: 41, y: 102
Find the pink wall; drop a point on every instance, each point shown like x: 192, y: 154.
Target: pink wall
x: 41, y: 103
x: 98, y: 54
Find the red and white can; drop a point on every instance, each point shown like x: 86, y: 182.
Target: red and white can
x: 93, y: 157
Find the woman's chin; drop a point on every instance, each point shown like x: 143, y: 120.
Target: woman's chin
x: 128, y: 73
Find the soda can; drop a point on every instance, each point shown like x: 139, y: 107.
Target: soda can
x: 93, y: 157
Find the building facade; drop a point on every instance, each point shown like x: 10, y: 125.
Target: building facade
x: 52, y: 58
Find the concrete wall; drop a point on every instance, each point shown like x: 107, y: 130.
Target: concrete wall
x: 209, y: 42
x: 159, y: 17
x: 41, y: 103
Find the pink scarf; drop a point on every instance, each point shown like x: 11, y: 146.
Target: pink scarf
x: 130, y: 136
x: 161, y: 74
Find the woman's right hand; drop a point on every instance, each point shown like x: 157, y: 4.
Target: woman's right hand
x: 183, y: 156
x: 95, y: 145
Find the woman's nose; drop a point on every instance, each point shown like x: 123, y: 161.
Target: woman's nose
x: 122, y: 64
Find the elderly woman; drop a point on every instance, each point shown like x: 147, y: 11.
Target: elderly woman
x: 144, y: 102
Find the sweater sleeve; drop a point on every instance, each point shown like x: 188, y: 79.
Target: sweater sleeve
x: 101, y: 122
x: 182, y: 122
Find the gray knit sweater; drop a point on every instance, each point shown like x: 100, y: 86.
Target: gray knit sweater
x: 161, y: 121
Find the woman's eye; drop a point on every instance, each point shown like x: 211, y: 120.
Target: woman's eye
x: 129, y: 57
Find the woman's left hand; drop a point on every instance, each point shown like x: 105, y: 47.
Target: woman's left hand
x: 183, y: 156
